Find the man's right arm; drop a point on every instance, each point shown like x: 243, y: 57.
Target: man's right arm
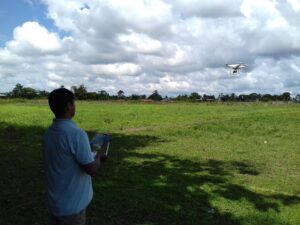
x: 91, y: 168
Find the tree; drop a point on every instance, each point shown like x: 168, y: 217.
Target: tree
x: 23, y: 92
x: 208, y: 97
x: 91, y: 96
x: 134, y: 97
x: 80, y: 92
x: 297, y: 98
x: 42, y: 93
x: 18, y: 91
x: 223, y: 98
x: 286, y: 96
x: 155, y: 96
x: 182, y: 98
x: 266, y: 97
x: 194, y: 96
x: 121, y: 94
x: 232, y: 97
x: 103, y: 95
x: 29, y: 93
x: 242, y: 98
x: 254, y: 97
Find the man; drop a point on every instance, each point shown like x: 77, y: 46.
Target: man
x: 68, y: 161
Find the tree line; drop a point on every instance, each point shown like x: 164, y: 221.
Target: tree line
x: 81, y: 93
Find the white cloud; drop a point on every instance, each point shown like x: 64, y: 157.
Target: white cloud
x: 116, y: 69
x: 152, y: 13
x: 139, y: 43
x: 32, y: 37
x: 179, y: 58
x: 52, y: 84
x: 8, y: 58
x: 172, y: 84
x: 208, y: 9
x: 54, y: 77
x: 295, y: 4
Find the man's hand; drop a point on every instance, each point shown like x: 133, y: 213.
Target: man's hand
x: 92, y: 168
x: 103, y: 157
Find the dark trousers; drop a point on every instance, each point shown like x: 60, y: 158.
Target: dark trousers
x: 76, y: 219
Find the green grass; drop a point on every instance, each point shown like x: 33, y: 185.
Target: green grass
x: 169, y: 163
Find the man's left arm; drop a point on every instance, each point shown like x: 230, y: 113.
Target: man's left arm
x: 84, y: 156
x: 91, y: 168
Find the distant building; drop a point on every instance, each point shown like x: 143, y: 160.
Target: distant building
x: 169, y: 100
x: 3, y: 95
x: 147, y: 100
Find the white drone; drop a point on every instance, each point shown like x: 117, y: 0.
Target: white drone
x: 235, y: 68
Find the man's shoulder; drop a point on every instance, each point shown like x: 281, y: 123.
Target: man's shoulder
x: 78, y: 133
x: 70, y: 129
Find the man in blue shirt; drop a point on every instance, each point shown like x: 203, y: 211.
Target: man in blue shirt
x: 68, y: 161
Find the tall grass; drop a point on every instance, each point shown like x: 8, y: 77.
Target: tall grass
x: 169, y: 163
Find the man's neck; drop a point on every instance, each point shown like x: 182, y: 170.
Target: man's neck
x: 66, y: 117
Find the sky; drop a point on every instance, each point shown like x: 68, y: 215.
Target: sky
x: 138, y: 46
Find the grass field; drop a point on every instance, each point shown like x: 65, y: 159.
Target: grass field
x: 169, y: 163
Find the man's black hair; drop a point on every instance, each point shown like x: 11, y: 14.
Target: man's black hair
x: 58, y: 100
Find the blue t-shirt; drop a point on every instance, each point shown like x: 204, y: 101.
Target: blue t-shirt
x: 65, y: 148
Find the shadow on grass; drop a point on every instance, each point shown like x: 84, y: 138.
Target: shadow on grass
x: 133, y: 187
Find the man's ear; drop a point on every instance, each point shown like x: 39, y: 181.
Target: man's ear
x: 69, y: 106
